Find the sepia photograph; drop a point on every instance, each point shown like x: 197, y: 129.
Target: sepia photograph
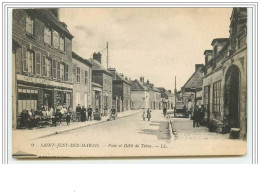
x: 129, y: 82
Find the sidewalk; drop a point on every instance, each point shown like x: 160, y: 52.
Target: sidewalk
x: 47, y: 131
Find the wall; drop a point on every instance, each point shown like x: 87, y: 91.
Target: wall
x: 140, y: 99
x: 81, y: 87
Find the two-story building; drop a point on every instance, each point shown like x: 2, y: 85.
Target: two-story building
x: 121, y: 91
x: 42, y: 60
x: 101, y: 76
x: 139, y: 94
x: 82, y: 79
x: 225, y: 81
x: 154, y: 96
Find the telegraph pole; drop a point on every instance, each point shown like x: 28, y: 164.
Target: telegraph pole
x: 107, y: 55
x: 175, y: 92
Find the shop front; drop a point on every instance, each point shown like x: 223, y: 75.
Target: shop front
x: 36, y: 93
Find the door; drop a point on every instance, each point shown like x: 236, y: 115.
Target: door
x: 232, y: 97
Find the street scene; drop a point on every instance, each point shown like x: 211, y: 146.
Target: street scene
x: 129, y: 82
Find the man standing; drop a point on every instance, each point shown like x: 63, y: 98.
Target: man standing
x: 83, y: 114
x: 78, y: 112
x: 89, y: 113
x: 149, y: 115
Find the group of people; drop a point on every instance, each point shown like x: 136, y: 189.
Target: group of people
x: 84, y: 114
x: 198, y: 116
x: 32, y: 118
x: 147, y: 113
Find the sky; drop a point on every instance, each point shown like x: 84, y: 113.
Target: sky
x: 156, y: 43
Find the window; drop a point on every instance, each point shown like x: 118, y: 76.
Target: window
x: 55, y: 39
x: 68, y: 100
x: 54, y: 69
x: 66, y: 72
x: 27, y: 99
x: 29, y: 24
x: 58, y: 71
x: 216, y: 97
x: 38, y: 63
x: 48, y: 67
x: 62, y: 44
x: 206, y: 97
x: 62, y: 72
x: 44, y: 69
x: 78, y: 75
x: 30, y: 61
x: 47, y: 35
x: 86, y: 77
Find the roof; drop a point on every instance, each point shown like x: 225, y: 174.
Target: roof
x: 118, y: 77
x: 98, y: 67
x: 219, y: 40
x: 195, y: 81
x: 150, y: 88
x: 77, y: 57
x: 46, y: 15
x: 137, y: 86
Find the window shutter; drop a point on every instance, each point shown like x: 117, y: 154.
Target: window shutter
x: 37, y: 63
x: 24, y: 51
x: 66, y: 68
x: 44, y: 70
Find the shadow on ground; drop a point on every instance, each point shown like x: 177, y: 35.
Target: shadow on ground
x: 162, y: 133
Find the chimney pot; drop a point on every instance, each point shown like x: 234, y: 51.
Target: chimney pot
x: 97, y: 56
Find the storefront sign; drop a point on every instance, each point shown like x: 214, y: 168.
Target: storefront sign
x: 42, y: 81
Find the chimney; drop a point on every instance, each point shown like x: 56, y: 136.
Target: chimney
x: 142, y: 79
x: 112, y: 71
x: 197, y: 66
x: 148, y: 82
x: 97, y: 56
x: 170, y: 91
x: 126, y: 78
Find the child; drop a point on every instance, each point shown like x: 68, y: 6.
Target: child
x: 68, y: 118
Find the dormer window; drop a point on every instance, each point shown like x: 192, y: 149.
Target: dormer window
x: 29, y: 24
x: 215, y: 50
x: 47, y: 35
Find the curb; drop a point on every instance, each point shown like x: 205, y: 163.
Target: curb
x: 85, y: 125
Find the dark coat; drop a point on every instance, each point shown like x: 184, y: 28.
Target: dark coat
x: 83, y: 114
x: 78, y: 109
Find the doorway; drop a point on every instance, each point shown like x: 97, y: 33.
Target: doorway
x: 231, y: 96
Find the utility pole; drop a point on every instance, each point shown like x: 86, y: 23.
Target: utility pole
x: 175, y: 92
x: 107, y: 55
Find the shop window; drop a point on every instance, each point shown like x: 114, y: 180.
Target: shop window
x: 27, y: 99
x: 216, y: 97
x: 29, y: 24
x: 54, y: 69
x: 38, y: 63
x: 44, y: 69
x: 47, y: 35
x: 78, y: 75
x: 48, y: 67
x: 86, y: 77
x: 62, y: 44
x: 66, y: 72
x: 68, y: 100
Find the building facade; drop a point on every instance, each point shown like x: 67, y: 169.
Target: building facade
x: 225, y: 82
x: 42, y: 60
x: 102, y: 77
x: 82, y: 79
x: 121, y: 91
x: 139, y: 94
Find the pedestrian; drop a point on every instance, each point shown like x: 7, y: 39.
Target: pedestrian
x: 143, y: 114
x: 202, y: 115
x: 89, y: 111
x: 196, y: 117
x: 83, y: 114
x: 149, y: 115
x: 78, y: 113
x: 164, y: 111
x: 68, y: 116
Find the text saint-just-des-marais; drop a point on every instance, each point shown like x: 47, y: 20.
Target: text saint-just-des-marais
x: 57, y: 89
